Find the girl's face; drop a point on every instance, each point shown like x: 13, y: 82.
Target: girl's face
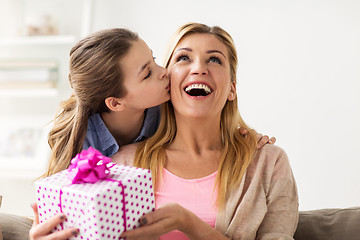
x: 146, y: 83
x: 200, y: 76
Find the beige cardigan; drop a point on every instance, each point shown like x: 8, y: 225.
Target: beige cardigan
x: 264, y: 206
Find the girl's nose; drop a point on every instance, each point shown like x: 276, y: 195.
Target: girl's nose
x: 163, y: 72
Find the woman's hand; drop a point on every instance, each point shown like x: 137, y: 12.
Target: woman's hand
x: 43, y: 230
x: 262, y: 139
x: 172, y: 217
x: 154, y: 224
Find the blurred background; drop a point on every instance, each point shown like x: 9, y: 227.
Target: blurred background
x: 298, y: 80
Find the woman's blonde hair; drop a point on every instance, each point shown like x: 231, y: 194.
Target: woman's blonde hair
x: 237, y: 150
x: 95, y: 74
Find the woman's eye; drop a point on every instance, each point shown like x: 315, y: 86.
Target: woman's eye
x: 215, y: 60
x: 182, y: 58
x: 148, y: 75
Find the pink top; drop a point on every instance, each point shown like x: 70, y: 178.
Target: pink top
x: 263, y: 206
x: 196, y: 195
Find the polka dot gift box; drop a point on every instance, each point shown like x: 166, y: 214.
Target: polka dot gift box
x: 100, y: 198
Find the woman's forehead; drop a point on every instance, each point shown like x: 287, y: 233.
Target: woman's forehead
x: 205, y: 41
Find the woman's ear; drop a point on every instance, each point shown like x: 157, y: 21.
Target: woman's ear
x: 114, y: 104
x: 232, y: 93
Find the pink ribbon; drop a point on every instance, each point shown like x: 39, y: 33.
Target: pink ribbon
x: 90, y: 166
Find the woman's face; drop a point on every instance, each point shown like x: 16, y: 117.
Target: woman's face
x: 200, y: 76
x: 146, y: 83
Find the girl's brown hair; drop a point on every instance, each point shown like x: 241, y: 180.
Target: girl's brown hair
x: 237, y: 150
x: 95, y: 74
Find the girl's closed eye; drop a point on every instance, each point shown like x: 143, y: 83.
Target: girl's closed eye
x: 215, y: 60
x: 148, y: 75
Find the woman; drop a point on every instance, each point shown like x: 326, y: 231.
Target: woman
x: 117, y: 89
x: 211, y: 182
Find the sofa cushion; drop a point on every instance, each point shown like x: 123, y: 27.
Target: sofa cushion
x: 324, y: 224
x: 1, y: 238
x: 329, y: 224
x: 14, y: 227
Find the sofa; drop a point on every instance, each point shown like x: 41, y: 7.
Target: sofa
x: 324, y: 224
x: 329, y: 224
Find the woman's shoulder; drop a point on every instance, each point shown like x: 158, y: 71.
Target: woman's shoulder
x: 271, y: 152
x: 271, y: 159
x: 125, y: 155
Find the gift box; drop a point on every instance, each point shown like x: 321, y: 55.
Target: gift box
x: 99, y: 198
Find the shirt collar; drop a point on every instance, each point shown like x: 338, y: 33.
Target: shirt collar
x: 103, y: 140
x: 105, y: 143
x: 151, y: 122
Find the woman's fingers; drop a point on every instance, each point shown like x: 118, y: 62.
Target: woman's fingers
x: 150, y: 231
x: 153, y: 217
x: 165, y: 219
x: 43, y: 230
x: 64, y: 234
x: 171, y: 217
x: 36, y: 214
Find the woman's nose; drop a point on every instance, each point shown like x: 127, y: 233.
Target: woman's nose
x: 199, y: 68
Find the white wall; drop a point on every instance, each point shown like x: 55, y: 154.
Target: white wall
x: 299, y: 76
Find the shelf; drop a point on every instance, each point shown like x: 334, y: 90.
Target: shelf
x: 25, y: 172
x: 24, y: 151
x: 28, y: 92
x: 37, y: 40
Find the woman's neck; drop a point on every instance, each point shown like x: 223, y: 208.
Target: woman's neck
x: 195, y: 151
x: 124, y: 126
x: 197, y: 135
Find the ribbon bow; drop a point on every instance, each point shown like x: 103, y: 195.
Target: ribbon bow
x: 89, y: 166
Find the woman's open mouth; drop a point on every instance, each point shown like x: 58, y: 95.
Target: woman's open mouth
x: 198, y: 89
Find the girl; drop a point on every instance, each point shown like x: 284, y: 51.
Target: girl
x: 117, y: 89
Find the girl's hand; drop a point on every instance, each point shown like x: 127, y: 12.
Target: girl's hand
x: 262, y: 140
x: 43, y: 230
x: 165, y: 219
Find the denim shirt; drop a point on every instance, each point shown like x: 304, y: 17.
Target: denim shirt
x: 99, y: 137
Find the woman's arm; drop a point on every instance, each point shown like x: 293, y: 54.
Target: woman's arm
x: 281, y: 218
x: 173, y: 217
